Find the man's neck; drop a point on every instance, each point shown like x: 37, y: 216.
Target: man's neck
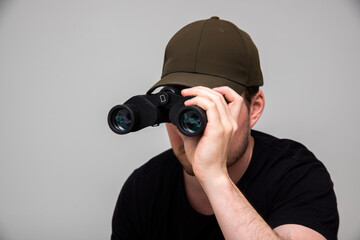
x: 195, y: 193
x: 239, y: 168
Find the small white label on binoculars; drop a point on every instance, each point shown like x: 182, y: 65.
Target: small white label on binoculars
x: 162, y: 98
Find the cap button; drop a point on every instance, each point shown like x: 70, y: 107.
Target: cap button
x: 215, y: 17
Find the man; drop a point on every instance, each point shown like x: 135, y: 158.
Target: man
x: 231, y: 182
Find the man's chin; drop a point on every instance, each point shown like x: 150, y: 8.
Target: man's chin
x: 186, y: 166
x: 181, y: 156
x: 189, y: 171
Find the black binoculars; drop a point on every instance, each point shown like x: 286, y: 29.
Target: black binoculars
x: 152, y: 109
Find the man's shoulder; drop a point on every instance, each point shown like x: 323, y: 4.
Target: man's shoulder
x: 281, y: 157
x: 282, y: 161
x: 281, y: 147
x: 298, y: 185
x: 275, y: 142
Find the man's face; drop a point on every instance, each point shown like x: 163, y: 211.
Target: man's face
x: 237, y: 149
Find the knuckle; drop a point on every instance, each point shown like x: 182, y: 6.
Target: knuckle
x: 219, y: 133
x: 228, y: 130
x: 239, y: 100
x: 235, y: 127
x: 211, y: 105
x: 218, y: 97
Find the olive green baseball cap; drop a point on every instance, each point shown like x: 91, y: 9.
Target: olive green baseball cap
x: 211, y: 53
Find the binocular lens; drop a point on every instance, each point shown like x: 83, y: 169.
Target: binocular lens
x: 191, y: 121
x: 123, y: 120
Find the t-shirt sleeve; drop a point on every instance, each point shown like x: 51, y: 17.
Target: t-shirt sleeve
x: 306, y: 197
x: 125, y: 222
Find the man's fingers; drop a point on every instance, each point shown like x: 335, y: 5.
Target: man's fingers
x: 212, y: 113
x: 203, y: 91
x: 229, y: 94
x: 214, y: 98
x: 234, y: 99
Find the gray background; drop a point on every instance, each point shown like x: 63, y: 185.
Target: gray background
x: 64, y: 64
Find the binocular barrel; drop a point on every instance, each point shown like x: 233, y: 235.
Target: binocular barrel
x: 150, y: 110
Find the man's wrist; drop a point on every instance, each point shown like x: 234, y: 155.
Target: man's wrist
x: 215, y: 182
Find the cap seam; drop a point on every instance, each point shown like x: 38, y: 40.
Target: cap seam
x: 247, y: 50
x: 198, y: 47
x: 172, y: 39
x: 206, y: 74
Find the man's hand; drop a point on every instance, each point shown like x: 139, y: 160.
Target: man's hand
x: 208, y: 153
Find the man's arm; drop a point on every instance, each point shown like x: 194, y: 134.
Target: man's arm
x: 239, y: 220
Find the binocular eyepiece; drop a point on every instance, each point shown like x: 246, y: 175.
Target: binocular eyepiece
x: 150, y: 110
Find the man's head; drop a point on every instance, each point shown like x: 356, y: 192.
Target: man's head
x: 214, y: 53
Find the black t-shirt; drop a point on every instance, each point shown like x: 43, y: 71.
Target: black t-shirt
x: 284, y: 182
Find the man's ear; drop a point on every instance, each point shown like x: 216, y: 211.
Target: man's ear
x: 256, y: 107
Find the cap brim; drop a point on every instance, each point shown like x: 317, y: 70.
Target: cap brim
x: 195, y: 79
